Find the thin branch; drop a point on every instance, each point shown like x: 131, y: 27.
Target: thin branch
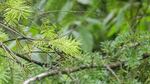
x: 79, y: 68
x: 7, y: 50
x: 21, y: 38
x: 31, y: 60
x: 71, y: 77
x: 36, y: 52
x: 6, y: 57
x: 69, y: 70
x: 11, y: 29
x: 113, y: 73
x: 21, y: 56
x: 64, y: 71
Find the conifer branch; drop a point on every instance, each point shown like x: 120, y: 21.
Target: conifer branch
x: 69, y: 70
x: 22, y: 56
x: 21, y: 38
x: 79, y: 68
x: 31, y: 60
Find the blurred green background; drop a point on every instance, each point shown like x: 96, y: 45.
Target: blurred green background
x: 91, y: 21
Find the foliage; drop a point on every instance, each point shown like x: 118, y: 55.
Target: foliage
x: 16, y: 10
x: 3, y: 36
x: 74, y: 41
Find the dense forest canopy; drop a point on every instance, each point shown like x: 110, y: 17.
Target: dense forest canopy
x: 74, y: 41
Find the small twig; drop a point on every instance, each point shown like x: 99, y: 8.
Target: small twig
x: 4, y: 47
x: 7, y: 57
x: 36, y: 52
x: 72, y: 78
x: 7, y: 50
x: 32, y: 61
x: 107, y: 67
x: 21, y: 56
x: 21, y: 38
x: 11, y: 29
